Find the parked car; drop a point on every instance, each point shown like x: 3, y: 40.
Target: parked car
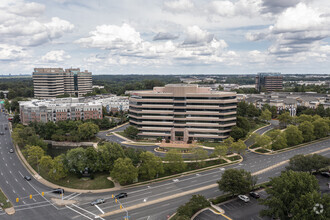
x: 244, y: 198
x: 58, y: 191
x: 254, y: 195
x: 121, y: 195
x: 28, y: 178
x: 326, y: 174
x: 98, y: 201
x: 11, y: 151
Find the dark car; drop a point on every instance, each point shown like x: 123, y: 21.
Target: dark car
x: 121, y: 195
x: 326, y: 174
x: 98, y: 201
x: 11, y: 151
x: 28, y: 178
x: 58, y: 191
x: 254, y: 195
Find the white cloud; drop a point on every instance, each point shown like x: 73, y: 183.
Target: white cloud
x: 228, y: 8
x: 178, y: 5
x: 20, y: 24
x: 55, y: 56
x: 112, y: 37
x: 195, y: 35
x: 10, y: 52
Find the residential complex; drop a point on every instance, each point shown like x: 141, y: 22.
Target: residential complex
x: 183, y: 112
x: 269, y: 82
x: 287, y: 100
x: 59, y: 110
x: 51, y: 82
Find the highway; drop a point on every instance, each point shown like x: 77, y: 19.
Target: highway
x: 153, y: 201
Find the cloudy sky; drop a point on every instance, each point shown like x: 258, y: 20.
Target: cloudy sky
x: 165, y: 36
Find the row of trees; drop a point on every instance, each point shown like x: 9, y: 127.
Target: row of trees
x: 293, y: 135
x: 68, y: 130
x: 229, y: 145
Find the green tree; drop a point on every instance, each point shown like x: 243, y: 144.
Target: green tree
x: 241, y: 109
x: 220, y: 150
x: 320, y: 110
x: 286, y: 191
x: 252, y: 111
x: 273, y: 110
x: 131, y: 132
x: 238, y: 147
x: 91, y: 159
x: 308, y: 163
x: 7, y: 105
x: 279, y: 142
x: 243, y: 123
x: 274, y: 133
x: 237, y: 133
x: 58, y: 170
x: 200, y: 155
x: 76, y: 160
x: 321, y: 128
x: 266, y: 115
x: 293, y: 135
x: 303, y: 118
x: 87, y: 130
x: 46, y: 163
x: 285, y: 119
x: 33, y: 154
x: 175, y: 162
x: 123, y: 171
x: 263, y: 141
x: 307, y: 130
x: 196, y: 203
x: 150, y: 166
x: 236, y: 181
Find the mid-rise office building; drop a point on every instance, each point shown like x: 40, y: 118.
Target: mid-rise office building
x: 59, y: 110
x: 269, y: 82
x: 51, y: 82
x: 183, y: 112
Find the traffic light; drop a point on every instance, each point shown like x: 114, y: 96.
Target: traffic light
x: 112, y: 196
x: 17, y: 199
x: 115, y: 200
x: 30, y: 196
x: 121, y: 207
x: 43, y: 193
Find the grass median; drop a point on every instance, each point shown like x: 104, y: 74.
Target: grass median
x: 3, y: 200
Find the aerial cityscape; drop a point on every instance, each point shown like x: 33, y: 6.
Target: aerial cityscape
x: 171, y: 109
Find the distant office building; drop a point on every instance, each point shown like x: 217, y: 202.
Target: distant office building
x: 51, y: 82
x: 59, y: 110
x: 269, y: 82
x: 183, y: 112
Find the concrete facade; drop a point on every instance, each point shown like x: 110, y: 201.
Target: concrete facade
x: 51, y: 82
x: 183, y: 112
x: 269, y: 81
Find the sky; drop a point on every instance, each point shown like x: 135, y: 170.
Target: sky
x: 166, y: 36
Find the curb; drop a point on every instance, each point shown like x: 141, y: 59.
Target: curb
x: 119, y: 126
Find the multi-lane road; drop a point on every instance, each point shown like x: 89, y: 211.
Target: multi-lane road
x: 153, y: 201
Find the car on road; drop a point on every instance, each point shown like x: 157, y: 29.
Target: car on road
x: 58, y: 191
x: 255, y: 195
x: 326, y: 174
x: 121, y: 195
x: 98, y: 201
x: 28, y: 178
x: 1, y: 133
x: 244, y: 198
x: 11, y: 151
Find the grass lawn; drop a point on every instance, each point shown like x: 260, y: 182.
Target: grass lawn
x: 234, y: 158
x: 209, y: 144
x: 261, y: 150
x: 3, y: 199
x: 121, y: 133
x: 100, y: 181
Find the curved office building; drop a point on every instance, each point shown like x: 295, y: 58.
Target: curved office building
x: 183, y: 112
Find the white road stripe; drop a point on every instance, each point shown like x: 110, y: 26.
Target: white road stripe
x: 99, y: 209
x: 78, y: 212
x: 96, y: 216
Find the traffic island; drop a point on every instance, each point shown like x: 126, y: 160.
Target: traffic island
x: 5, y: 204
x: 62, y: 202
x: 10, y: 211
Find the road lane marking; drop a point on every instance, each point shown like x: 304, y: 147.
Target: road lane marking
x: 96, y: 216
x: 75, y: 196
x: 78, y: 212
x: 99, y: 209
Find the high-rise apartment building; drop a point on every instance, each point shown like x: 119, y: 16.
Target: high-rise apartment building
x: 51, y: 82
x: 183, y: 112
x: 269, y: 82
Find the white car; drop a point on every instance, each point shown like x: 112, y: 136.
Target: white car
x: 244, y: 198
